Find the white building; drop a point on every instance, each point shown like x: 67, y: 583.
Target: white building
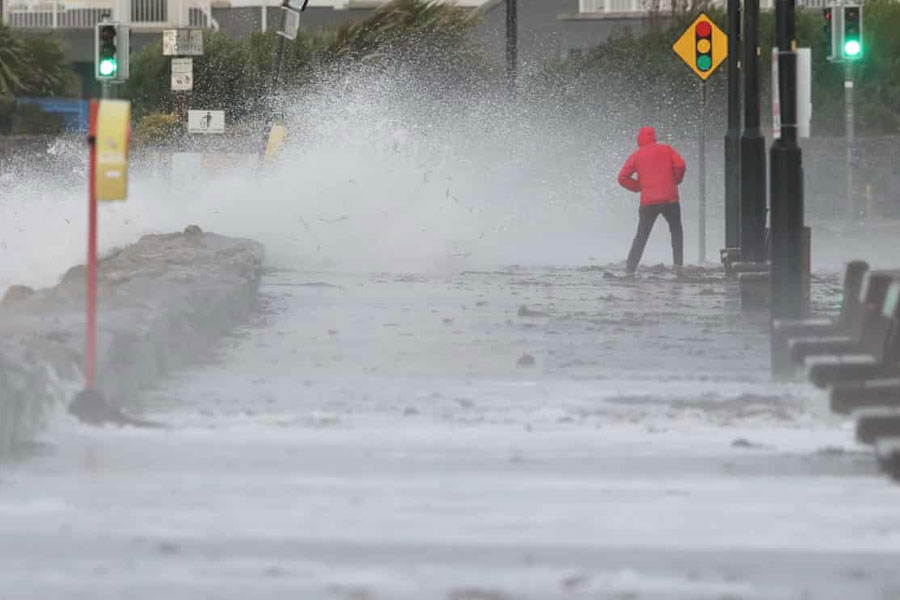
x: 153, y: 15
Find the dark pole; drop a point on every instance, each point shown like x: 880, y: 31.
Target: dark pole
x: 512, y: 42
x: 733, y: 135
x: 788, y: 298
x: 753, y: 146
x: 279, y: 49
x: 701, y: 217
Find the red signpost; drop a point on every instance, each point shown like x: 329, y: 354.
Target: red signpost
x: 108, y: 139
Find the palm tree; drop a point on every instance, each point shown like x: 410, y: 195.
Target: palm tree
x: 403, y: 25
x: 12, y: 60
x: 432, y: 40
x: 47, y: 71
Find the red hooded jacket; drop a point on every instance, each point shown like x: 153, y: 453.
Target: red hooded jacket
x: 659, y: 170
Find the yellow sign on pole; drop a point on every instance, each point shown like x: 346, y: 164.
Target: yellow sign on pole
x: 113, y: 132
x: 276, y: 141
x: 703, y: 47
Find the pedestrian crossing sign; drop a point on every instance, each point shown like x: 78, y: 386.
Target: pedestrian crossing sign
x: 703, y: 47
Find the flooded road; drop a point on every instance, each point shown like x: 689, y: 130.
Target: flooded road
x: 520, y: 433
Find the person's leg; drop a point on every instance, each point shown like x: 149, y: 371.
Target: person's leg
x: 672, y: 215
x: 646, y: 217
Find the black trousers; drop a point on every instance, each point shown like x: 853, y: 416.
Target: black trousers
x: 671, y: 212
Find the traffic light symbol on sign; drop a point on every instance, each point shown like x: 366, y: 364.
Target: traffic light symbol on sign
x: 702, y: 47
x: 703, y: 40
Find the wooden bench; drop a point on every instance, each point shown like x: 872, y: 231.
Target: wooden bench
x: 783, y: 330
x: 857, y: 355
x: 874, y: 355
x: 871, y: 297
x: 848, y: 396
x: 888, y: 452
x: 874, y: 424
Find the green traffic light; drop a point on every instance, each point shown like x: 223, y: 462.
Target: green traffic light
x: 108, y: 67
x: 852, y: 48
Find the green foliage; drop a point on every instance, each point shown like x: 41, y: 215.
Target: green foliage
x: 634, y: 77
x: 878, y: 73
x: 433, y: 40
x: 639, y: 76
x: 12, y: 57
x: 156, y: 128
x: 148, y: 84
x: 33, y: 66
x: 224, y: 77
x: 406, y: 29
x: 48, y: 72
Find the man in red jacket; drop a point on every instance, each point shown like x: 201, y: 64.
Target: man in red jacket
x: 659, y: 170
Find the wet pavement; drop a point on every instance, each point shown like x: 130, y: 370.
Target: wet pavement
x: 520, y: 433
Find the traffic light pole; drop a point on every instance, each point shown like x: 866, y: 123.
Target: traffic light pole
x: 702, y: 172
x: 733, y: 135
x: 788, y: 247
x: 850, y: 134
x: 512, y: 43
x: 753, y: 146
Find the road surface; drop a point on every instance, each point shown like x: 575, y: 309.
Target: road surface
x: 517, y: 434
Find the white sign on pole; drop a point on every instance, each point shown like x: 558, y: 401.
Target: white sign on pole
x: 291, y: 23
x: 182, y: 65
x: 776, y: 97
x: 804, y: 93
x: 206, y: 121
x: 182, y: 42
x: 182, y: 74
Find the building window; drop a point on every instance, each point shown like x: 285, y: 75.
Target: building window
x: 590, y: 6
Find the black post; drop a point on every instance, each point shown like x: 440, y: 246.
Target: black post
x: 788, y: 268
x: 733, y: 135
x: 753, y: 146
x: 279, y: 49
x: 512, y: 42
x: 701, y: 216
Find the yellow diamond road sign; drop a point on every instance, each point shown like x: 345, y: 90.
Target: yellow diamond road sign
x: 703, y: 47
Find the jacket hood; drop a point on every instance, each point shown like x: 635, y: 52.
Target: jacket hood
x: 647, y: 135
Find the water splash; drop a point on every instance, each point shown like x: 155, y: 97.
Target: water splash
x: 379, y: 173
